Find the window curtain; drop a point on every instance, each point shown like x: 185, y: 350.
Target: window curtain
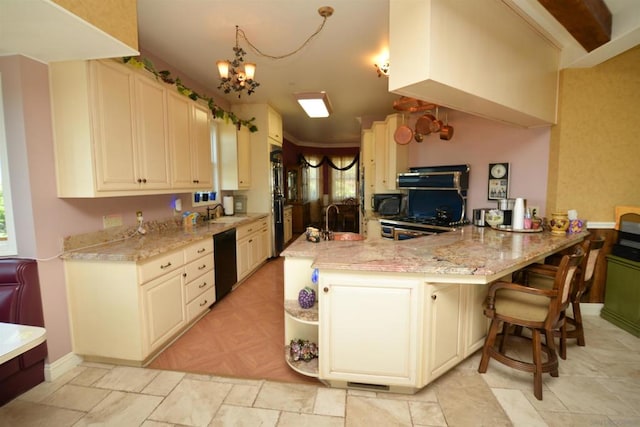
x: 344, y: 178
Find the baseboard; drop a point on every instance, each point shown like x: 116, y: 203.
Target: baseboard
x: 53, y: 371
x: 591, y: 308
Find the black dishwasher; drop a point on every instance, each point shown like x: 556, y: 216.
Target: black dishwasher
x: 224, y: 262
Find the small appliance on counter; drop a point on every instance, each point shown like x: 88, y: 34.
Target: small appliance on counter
x: 387, y: 203
x: 628, y: 244
x: 506, y: 206
x: 479, y: 217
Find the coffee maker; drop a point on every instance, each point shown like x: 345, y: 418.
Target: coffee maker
x: 506, y: 206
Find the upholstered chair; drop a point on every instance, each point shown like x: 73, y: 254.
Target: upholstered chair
x: 539, y: 310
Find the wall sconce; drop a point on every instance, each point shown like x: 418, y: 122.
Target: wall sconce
x: 382, y: 69
x: 315, y: 104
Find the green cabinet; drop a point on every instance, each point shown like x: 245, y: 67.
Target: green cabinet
x: 622, y: 296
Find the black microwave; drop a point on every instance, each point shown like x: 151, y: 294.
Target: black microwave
x: 387, y: 203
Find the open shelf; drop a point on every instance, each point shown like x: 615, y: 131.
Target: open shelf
x: 304, y: 315
x: 309, y: 368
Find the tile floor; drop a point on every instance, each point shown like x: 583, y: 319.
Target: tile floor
x: 599, y: 385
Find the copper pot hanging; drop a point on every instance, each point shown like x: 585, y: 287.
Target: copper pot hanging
x: 446, y: 132
x: 403, y: 134
x: 424, y: 124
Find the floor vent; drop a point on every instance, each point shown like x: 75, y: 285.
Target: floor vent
x: 368, y: 386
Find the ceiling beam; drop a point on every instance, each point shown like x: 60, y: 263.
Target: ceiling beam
x: 588, y: 21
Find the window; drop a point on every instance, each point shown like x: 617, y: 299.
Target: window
x: 8, y: 245
x: 314, y: 177
x: 203, y: 198
x: 343, y: 182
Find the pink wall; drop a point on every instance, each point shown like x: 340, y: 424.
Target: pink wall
x: 42, y: 219
x: 478, y: 142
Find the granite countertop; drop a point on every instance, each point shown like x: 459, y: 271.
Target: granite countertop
x: 468, y: 255
x: 127, y: 245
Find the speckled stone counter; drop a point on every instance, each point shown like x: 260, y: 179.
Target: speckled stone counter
x: 468, y: 255
x: 124, y: 244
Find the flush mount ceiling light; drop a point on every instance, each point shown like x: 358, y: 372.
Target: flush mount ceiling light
x: 315, y: 104
x: 382, y: 69
x: 236, y: 79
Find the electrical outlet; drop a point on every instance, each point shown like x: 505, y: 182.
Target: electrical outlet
x: 113, y: 220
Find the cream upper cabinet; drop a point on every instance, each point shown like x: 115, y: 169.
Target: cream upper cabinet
x: 190, y: 140
x: 274, y: 122
x: 389, y: 158
x: 112, y: 130
x: 235, y: 156
x: 153, y: 141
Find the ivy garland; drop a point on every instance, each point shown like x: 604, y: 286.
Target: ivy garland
x: 165, y: 76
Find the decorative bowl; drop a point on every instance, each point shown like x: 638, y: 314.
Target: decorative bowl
x: 494, y: 217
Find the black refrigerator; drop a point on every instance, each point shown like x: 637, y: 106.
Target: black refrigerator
x: 278, y: 201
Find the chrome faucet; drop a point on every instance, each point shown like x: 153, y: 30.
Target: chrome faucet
x: 326, y: 233
x: 212, y: 210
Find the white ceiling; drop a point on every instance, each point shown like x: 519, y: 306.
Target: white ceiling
x: 192, y: 35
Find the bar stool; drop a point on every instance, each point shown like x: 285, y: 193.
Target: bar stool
x: 541, y: 276
x: 540, y: 310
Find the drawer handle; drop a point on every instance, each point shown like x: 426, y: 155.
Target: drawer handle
x: 202, y: 266
x: 250, y: 230
x: 167, y: 265
x: 204, y: 303
x: 201, y: 250
x: 203, y: 285
x: 251, y: 241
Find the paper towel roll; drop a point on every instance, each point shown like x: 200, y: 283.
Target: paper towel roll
x: 227, y: 205
x: 517, y: 220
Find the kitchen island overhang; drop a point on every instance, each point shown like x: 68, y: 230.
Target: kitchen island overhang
x: 406, y: 302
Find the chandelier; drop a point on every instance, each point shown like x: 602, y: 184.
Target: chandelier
x: 237, y: 76
x: 232, y: 77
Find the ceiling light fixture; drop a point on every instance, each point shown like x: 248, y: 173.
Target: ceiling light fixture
x: 382, y: 69
x: 315, y: 104
x: 236, y: 79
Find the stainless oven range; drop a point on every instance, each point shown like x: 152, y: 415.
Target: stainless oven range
x: 436, y: 202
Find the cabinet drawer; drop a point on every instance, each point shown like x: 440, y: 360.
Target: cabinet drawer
x: 197, y: 250
x: 198, y: 286
x: 201, y: 304
x: 198, y: 267
x: 245, y: 230
x: 159, y: 266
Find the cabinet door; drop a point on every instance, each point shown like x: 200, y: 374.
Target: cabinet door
x: 477, y: 322
x: 288, y: 225
x: 201, y: 147
x: 397, y: 156
x: 368, y: 330
x: 444, y: 340
x: 178, y: 118
x: 116, y: 151
x: 153, y: 141
x: 274, y: 123
x: 243, y: 257
x: 164, y: 308
x: 380, y: 156
x: 244, y: 158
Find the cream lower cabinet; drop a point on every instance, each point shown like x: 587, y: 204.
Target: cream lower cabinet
x: 394, y: 332
x: 252, y: 246
x: 126, y: 312
x: 369, y: 330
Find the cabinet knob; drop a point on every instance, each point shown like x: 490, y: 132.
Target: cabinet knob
x: 326, y: 289
x: 144, y: 180
x: 139, y: 181
x: 434, y: 297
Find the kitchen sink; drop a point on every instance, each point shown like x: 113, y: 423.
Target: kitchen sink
x: 227, y: 219
x: 348, y: 236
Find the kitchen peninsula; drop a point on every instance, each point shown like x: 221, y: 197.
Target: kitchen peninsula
x: 395, y: 315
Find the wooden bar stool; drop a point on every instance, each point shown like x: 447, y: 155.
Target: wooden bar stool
x: 542, y: 275
x: 540, y: 310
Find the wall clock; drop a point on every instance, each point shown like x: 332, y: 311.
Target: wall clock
x: 498, y: 181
